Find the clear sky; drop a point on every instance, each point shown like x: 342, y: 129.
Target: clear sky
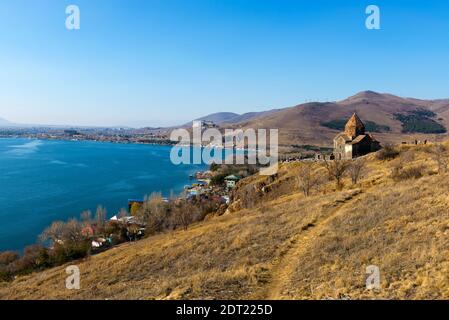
x: 164, y: 62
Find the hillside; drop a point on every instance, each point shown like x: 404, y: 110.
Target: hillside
x: 404, y: 119
x: 219, y: 117
x: 231, y: 118
x: 275, y: 243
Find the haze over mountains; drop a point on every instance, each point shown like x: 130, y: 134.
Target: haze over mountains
x: 8, y: 124
x: 4, y: 122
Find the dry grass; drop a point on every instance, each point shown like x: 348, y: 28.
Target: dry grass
x: 226, y: 257
x: 404, y: 232
x: 284, y: 246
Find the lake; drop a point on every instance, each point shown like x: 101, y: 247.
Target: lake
x: 45, y: 181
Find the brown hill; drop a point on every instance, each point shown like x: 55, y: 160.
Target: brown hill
x: 314, y: 123
x: 279, y: 244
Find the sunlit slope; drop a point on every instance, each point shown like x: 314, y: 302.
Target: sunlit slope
x: 284, y: 246
x: 303, y: 124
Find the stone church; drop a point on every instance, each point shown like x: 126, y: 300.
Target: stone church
x: 354, y: 141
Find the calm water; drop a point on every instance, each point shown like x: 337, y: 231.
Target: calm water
x: 44, y: 181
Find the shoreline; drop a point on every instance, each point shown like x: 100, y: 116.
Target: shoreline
x: 167, y: 143
x: 88, y: 140
x: 174, y: 185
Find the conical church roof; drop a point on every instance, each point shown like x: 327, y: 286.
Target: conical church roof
x: 354, y: 127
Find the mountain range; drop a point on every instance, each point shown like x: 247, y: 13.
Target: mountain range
x: 390, y: 118
x: 231, y: 117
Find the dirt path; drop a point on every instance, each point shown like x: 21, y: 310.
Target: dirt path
x: 286, y: 265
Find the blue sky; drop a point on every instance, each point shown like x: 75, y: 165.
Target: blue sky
x: 164, y: 62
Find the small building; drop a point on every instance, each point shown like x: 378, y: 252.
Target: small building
x: 89, y: 230
x: 231, y: 181
x: 98, y: 243
x: 126, y: 219
x: 354, y: 141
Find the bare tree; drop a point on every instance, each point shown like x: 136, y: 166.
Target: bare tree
x: 63, y: 231
x: 100, y: 215
x: 336, y: 170
x: 439, y: 154
x: 122, y: 213
x: 153, y: 213
x: 356, y: 170
x: 55, y: 232
x: 86, y: 216
x: 184, y: 213
x: 307, y: 179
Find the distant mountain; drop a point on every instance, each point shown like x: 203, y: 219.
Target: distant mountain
x: 219, y: 117
x: 390, y: 118
x: 231, y: 117
x: 251, y: 116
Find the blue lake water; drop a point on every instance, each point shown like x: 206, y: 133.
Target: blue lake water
x: 44, y: 181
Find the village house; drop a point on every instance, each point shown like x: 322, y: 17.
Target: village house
x: 231, y: 181
x: 354, y: 141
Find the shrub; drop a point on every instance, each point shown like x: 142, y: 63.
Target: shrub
x: 388, y: 152
x: 336, y: 170
x: 356, y: 170
x: 154, y: 213
x: 70, y: 231
x: 307, y: 179
x: 4, y: 274
x: 221, y: 171
x: 399, y: 173
x: 69, y: 251
x: 117, y: 231
x: 8, y: 257
x: 35, y: 257
x: 439, y: 154
x: 214, y: 167
x: 183, y: 214
x: 218, y: 179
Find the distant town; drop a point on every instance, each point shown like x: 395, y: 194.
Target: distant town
x: 115, y: 135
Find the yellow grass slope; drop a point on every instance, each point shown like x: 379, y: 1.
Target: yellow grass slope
x: 284, y: 246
